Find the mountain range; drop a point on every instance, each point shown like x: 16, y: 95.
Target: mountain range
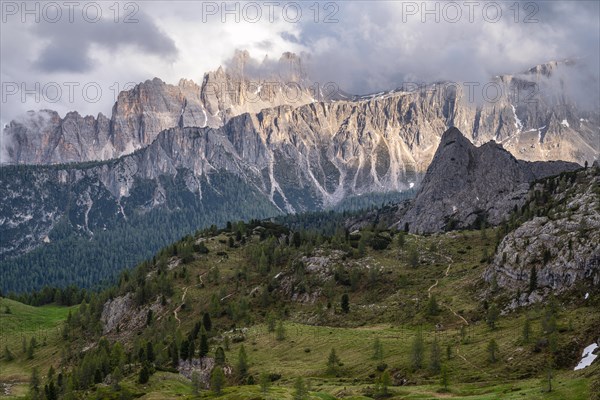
x: 187, y: 156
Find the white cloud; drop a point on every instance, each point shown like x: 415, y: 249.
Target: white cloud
x: 371, y: 48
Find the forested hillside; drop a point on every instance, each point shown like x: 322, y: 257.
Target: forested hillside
x: 255, y: 310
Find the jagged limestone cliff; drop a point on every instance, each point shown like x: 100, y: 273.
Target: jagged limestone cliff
x: 533, y: 116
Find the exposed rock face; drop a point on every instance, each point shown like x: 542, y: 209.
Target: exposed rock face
x: 562, y: 246
x: 141, y: 113
x: 121, y: 316
x: 530, y: 118
x: 466, y: 184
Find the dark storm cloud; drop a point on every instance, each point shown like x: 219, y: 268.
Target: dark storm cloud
x: 374, y: 47
x: 70, y: 44
x: 369, y: 49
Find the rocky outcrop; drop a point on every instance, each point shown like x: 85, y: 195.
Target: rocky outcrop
x: 121, y: 317
x: 466, y: 185
x: 561, y: 246
x: 202, y: 367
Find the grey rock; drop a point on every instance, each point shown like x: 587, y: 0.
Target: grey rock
x: 568, y: 238
x: 465, y: 185
x: 141, y: 113
x: 402, y: 124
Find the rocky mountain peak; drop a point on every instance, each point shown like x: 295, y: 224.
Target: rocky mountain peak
x: 466, y: 185
x: 405, y: 124
x: 453, y: 136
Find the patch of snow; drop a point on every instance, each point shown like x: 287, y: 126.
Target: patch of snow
x: 518, y: 123
x: 587, y: 357
x: 565, y: 123
x: 205, y: 117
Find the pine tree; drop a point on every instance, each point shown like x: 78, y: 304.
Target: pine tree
x: 191, y: 350
x: 532, y: 279
x: 174, y: 352
x: 263, y: 264
x: 270, y: 323
x: 362, y: 247
x: 333, y: 362
x: 242, y: 365
x: 219, y: 356
x: 432, y: 306
x: 150, y: 352
x: 526, y: 330
x: 116, y: 377
x: 34, y: 384
x: 377, y: 350
x: 50, y: 391
x: 31, y: 349
x: 445, y: 380
x: 8, y: 355
x: 417, y: 351
x: 207, y: 322
x: 492, y: 316
x: 300, y: 391
x: 385, y: 382
x: 492, y: 349
x: 195, y: 331
x: 280, y: 333
x: 144, y: 375
x: 345, y: 303
x: 183, y: 352
x: 117, y: 356
x: 401, y: 240
x: 196, y: 382
x: 549, y: 377
x: 296, y: 239
x: 413, y: 257
x: 435, y: 362
x: 217, y: 380
x: 204, y: 348
x: 265, y: 382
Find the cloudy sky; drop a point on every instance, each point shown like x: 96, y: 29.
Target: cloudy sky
x: 361, y: 46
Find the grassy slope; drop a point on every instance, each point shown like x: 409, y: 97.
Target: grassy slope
x: 391, y: 310
x: 43, y: 323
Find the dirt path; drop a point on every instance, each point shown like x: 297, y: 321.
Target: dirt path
x: 457, y: 314
x: 182, y: 303
x: 431, y: 287
x: 228, y: 296
x: 446, y: 273
x: 200, y: 278
x: 450, y: 261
